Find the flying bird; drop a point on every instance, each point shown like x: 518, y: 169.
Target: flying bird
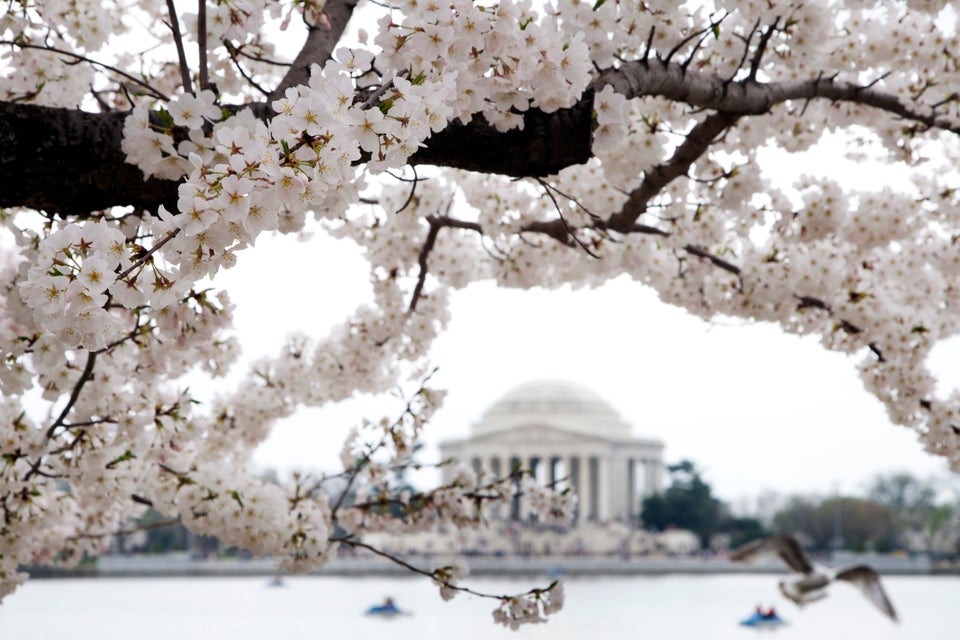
x: 812, y: 583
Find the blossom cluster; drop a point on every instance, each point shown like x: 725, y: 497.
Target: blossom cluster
x: 531, y: 607
x: 67, y: 286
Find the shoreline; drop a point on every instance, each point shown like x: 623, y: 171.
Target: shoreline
x: 182, y: 565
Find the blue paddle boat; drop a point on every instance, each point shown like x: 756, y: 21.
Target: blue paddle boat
x: 764, y: 620
x: 386, y: 610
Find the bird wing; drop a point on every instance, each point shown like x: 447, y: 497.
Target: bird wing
x: 868, y: 581
x: 785, y: 547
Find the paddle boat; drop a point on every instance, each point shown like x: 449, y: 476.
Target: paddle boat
x: 386, y: 610
x: 764, y: 620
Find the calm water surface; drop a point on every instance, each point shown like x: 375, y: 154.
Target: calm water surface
x: 642, y: 607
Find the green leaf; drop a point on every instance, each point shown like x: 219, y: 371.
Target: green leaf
x: 127, y: 455
x: 165, y: 118
x: 598, y: 4
x: 385, y: 106
x: 236, y: 496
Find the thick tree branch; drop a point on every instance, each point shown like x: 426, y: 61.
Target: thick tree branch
x: 547, y: 143
x: 697, y: 142
x: 318, y: 46
x: 70, y: 162
x: 673, y: 82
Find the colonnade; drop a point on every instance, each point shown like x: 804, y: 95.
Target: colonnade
x: 608, y: 486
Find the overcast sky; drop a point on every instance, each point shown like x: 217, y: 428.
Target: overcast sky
x: 755, y: 409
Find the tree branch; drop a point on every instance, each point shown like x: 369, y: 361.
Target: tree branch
x: 178, y: 41
x: 547, y: 143
x: 436, y: 574
x: 70, y: 162
x: 436, y: 223
x: 318, y: 46
x: 697, y: 142
x: 748, y: 97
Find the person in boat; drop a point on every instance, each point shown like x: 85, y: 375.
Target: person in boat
x: 771, y: 614
x: 389, y: 605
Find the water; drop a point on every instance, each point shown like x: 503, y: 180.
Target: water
x: 670, y: 607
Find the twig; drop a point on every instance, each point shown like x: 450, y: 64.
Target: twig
x: 649, y: 45
x: 433, y: 575
x: 233, y: 51
x: 413, y: 188
x: 566, y: 226
x: 202, y: 43
x: 85, y: 376
x: 696, y: 34
x: 146, y: 256
x: 746, y: 51
x: 729, y: 267
x: 435, y: 222
x: 761, y: 48
x: 154, y: 92
x: 178, y: 41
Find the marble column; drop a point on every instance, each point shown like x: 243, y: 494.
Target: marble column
x: 577, y: 487
x: 605, y: 489
x: 593, y: 488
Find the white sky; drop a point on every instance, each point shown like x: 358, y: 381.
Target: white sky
x: 756, y: 409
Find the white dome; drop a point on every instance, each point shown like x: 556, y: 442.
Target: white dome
x: 564, y: 404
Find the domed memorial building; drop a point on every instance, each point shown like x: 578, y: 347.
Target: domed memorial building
x: 568, y: 435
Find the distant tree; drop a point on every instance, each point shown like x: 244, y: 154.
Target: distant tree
x: 742, y: 529
x: 856, y: 523
x: 688, y: 504
x: 798, y: 517
x: 903, y: 492
x: 863, y: 525
x: 937, y: 524
x: 911, y: 499
x: 163, y: 535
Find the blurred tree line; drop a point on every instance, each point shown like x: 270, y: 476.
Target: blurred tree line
x: 898, y: 512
